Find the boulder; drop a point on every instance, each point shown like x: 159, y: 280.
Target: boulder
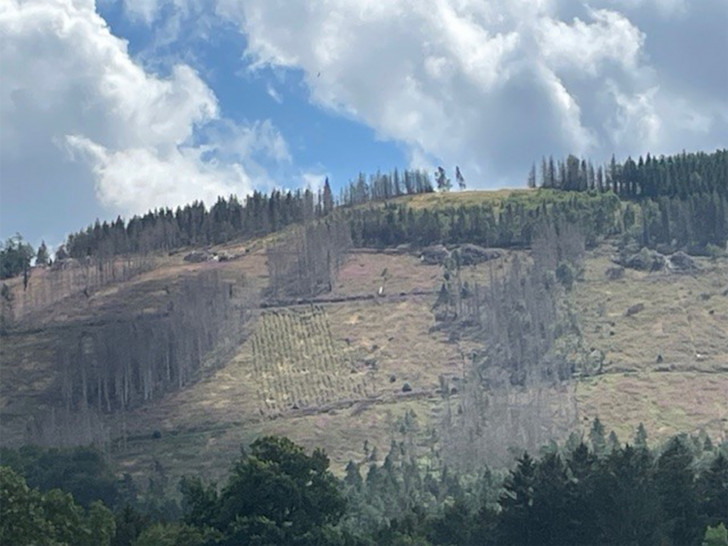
x: 614, y: 273
x: 473, y: 254
x: 197, y: 256
x: 645, y: 260
x: 634, y: 309
x: 434, y: 255
x: 680, y: 262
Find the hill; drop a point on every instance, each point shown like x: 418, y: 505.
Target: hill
x: 175, y: 358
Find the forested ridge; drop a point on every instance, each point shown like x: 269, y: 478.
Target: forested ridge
x: 586, y: 492
x: 683, y: 201
x: 676, y: 202
x: 670, y: 203
x: 256, y: 215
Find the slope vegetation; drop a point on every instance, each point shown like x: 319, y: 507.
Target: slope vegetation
x: 348, y: 369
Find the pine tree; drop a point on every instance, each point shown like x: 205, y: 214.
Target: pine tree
x: 713, y: 491
x: 328, y: 199
x: 640, y: 437
x: 531, y: 183
x: 675, y: 481
x: 443, y: 182
x: 459, y: 178
x: 517, y: 523
x: 42, y: 257
x: 597, y: 437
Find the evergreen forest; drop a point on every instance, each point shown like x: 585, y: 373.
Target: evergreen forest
x: 589, y: 491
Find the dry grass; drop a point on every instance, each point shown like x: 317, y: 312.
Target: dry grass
x: 395, y: 337
x: 685, y: 321
x: 667, y: 403
x: 344, y: 365
x: 209, y: 449
x: 365, y: 272
x: 685, y: 317
x: 298, y: 365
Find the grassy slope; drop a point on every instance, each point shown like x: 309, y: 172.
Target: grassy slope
x: 685, y: 320
x: 370, y: 346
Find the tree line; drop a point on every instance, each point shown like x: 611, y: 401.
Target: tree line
x: 517, y: 385
x: 594, y: 491
x: 650, y: 177
x: 509, y: 223
x: 683, y: 198
x: 669, y: 203
x: 111, y: 366
x: 384, y: 186
x: 257, y: 215
x: 306, y: 260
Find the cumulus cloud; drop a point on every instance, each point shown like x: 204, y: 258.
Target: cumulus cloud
x: 493, y: 86
x: 73, y: 97
x: 489, y: 86
x: 133, y: 178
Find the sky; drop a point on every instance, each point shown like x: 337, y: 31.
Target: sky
x: 114, y: 108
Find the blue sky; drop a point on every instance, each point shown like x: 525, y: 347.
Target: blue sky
x: 319, y: 141
x: 116, y: 107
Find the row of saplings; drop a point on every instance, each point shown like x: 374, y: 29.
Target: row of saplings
x: 276, y: 494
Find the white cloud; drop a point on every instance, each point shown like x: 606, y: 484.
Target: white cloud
x: 489, y: 86
x: 156, y: 176
x: 142, y: 140
x: 273, y: 93
x: 587, y: 47
x: 492, y: 86
x: 313, y: 181
x: 664, y: 8
x: 144, y: 10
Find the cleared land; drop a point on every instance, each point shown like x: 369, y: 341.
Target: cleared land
x: 333, y: 374
x: 666, y: 365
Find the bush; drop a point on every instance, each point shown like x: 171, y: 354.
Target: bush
x: 565, y: 275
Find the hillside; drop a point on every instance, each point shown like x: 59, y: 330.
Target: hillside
x: 360, y: 365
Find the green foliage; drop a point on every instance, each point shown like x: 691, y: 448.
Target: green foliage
x: 675, y: 480
x: 42, y: 257
x: 511, y: 222
x: 275, y: 495
x: 716, y: 536
x: 28, y: 516
x: 15, y: 257
x: 257, y: 215
x: 172, y: 534
x: 565, y: 275
x: 517, y: 524
x: 442, y: 180
x: 129, y: 525
x: 682, y: 200
x: 83, y: 471
x: 640, y: 437
x: 712, y: 490
x: 597, y: 437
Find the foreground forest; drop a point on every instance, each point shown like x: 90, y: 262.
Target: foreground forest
x: 603, y: 493
x: 462, y: 367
